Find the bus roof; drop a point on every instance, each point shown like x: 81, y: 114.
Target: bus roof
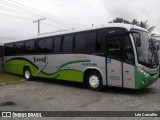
x: 73, y: 30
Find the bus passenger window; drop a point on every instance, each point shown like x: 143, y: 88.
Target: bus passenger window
x: 30, y: 47
x: 67, y: 45
x: 8, y: 49
x: 57, y: 44
x: 45, y: 45
x: 80, y: 42
x: 18, y: 48
x: 91, y: 41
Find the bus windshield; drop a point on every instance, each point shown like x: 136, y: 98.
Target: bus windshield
x: 146, y: 52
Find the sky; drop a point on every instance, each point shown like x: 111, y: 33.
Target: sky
x: 17, y: 16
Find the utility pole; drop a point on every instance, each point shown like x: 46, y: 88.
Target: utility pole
x: 39, y: 21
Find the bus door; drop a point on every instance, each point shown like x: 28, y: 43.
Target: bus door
x: 114, y: 60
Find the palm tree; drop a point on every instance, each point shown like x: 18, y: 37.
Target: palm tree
x: 142, y: 24
x: 120, y: 20
x: 150, y: 29
x: 135, y: 22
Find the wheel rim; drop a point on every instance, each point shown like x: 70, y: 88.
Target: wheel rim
x: 94, y: 81
x: 27, y: 74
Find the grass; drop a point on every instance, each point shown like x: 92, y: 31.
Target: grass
x: 9, y: 78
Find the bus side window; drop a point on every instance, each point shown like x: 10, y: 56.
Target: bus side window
x: 57, y: 44
x: 8, y: 49
x: 91, y: 41
x: 45, y: 45
x: 80, y: 42
x: 128, y: 55
x: 29, y: 47
x: 67, y: 44
x: 86, y: 42
x: 18, y: 48
x: 98, y: 42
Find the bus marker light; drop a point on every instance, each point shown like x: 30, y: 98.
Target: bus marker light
x: 129, y: 78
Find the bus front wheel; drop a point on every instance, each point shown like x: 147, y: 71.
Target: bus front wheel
x: 27, y: 74
x: 94, y: 81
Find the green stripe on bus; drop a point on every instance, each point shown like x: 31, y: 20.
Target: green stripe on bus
x: 71, y: 62
x: 69, y: 75
x: 16, y: 67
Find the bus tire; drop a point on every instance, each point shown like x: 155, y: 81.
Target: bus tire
x: 94, y: 81
x: 27, y: 73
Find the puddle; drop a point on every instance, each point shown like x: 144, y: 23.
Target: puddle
x: 8, y: 103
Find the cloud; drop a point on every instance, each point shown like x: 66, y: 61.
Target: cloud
x: 141, y: 10
x: 85, y: 12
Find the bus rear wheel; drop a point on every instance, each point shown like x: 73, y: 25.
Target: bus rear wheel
x: 94, y: 81
x: 27, y: 74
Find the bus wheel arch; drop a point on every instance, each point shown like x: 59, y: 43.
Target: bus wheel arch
x: 93, y: 79
x: 27, y: 73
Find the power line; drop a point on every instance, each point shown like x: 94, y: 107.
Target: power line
x: 3, y: 8
x: 11, y: 10
x: 55, y: 25
x: 23, y: 9
x: 51, y: 24
x: 45, y: 13
x: 18, y: 17
x: 33, y: 13
x: 19, y: 8
x: 56, y: 31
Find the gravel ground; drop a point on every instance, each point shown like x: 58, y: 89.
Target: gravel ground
x: 45, y: 95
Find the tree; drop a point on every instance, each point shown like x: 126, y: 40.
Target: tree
x: 150, y: 29
x: 120, y: 20
x: 144, y: 24
x: 134, y: 22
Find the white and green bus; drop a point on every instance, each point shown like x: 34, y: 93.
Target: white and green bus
x: 111, y: 55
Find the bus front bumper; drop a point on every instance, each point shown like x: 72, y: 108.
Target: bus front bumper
x: 143, y: 81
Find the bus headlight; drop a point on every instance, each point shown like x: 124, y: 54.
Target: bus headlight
x: 144, y: 73
x: 143, y: 82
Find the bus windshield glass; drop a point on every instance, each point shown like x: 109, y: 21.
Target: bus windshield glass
x: 146, y: 52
